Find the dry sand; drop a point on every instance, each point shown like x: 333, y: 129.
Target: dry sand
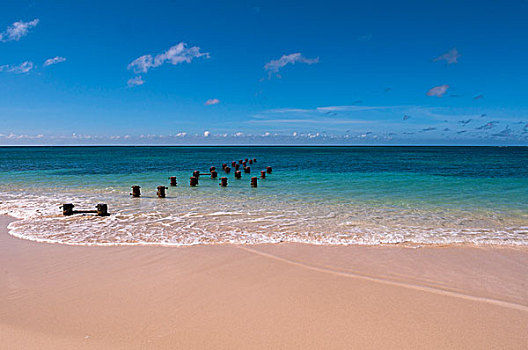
x: 286, y: 296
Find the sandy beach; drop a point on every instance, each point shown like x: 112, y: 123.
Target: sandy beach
x: 284, y: 296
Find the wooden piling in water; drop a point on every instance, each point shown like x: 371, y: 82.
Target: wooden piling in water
x: 136, y: 192
x: 238, y: 174
x: 268, y: 170
x: 263, y: 174
x: 247, y: 169
x: 161, y: 191
x: 254, y: 180
x: 223, y: 182
x: 227, y: 170
x: 173, y: 181
x: 193, y: 181
x: 102, y: 209
x: 67, y: 209
x: 214, y: 174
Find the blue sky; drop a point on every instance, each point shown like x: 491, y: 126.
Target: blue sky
x: 263, y: 72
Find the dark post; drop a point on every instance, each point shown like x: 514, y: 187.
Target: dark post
x: 233, y: 164
x: 240, y: 161
x: 245, y: 160
x: 251, y: 161
x: 223, y: 181
x: 173, y: 180
x: 244, y: 163
x: 224, y: 166
x: 263, y: 174
x: 227, y: 169
x: 193, y: 181
x: 214, y: 174
x: 67, y: 209
x: 161, y: 191
x: 268, y: 170
x: 238, y: 174
x: 102, y: 209
x: 196, y: 174
x: 247, y: 169
x: 211, y: 169
x: 254, y: 181
x: 237, y: 166
x: 136, y: 192
x: 254, y: 160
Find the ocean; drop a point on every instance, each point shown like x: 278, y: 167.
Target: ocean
x: 316, y: 195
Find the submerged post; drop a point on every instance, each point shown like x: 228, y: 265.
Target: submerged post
x: 223, y: 182
x: 196, y: 174
x: 238, y: 174
x: 247, y: 169
x: 136, y: 192
x: 254, y: 181
x: 214, y: 174
x: 237, y: 166
x: 193, y: 181
x: 67, y: 209
x: 102, y: 209
x: 227, y: 170
x: 268, y: 170
x: 263, y: 174
x: 161, y: 191
x: 173, y: 180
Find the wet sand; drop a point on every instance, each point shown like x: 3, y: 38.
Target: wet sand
x: 285, y: 296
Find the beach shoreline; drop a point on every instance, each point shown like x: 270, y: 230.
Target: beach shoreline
x: 286, y: 295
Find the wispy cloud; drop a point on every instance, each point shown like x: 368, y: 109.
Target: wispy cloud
x: 54, y: 60
x: 450, y: 56
x: 174, y: 55
x: 17, y: 30
x: 212, y: 101
x: 273, y: 67
x: 438, y: 91
x: 365, y: 37
x: 135, y: 81
x: 23, y: 67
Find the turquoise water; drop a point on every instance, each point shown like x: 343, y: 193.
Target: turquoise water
x: 320, y: 195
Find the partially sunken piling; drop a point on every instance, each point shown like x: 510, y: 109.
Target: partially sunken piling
x: 247, y: 169
x: 227, y: 170
x: 223, y: 182
x: 161, y: 191
x: 263, y: 174
x: 214, y: 174
x: 136, y: 192
x: 268, y: 170
x: 254, y: 181
x: 193, y: 181
x: 102, y: 209
x: 67, y: 209
x: 173, y: 181
x: 238, y: 174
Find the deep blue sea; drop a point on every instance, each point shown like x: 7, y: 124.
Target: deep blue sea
x: 319, y: 195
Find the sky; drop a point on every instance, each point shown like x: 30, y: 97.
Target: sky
x: 447, y: 72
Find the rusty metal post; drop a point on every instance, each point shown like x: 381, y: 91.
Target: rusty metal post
x: 214, y: 174
x: 196, y: 174
x: 136, y: 192
x: 102, y: 209
x: 67, y: 209
x: 263, y: 174
x: 268, y: 170
x: 193, y: 181
x: 173, y: 180
x: 161, y: 191
x: 223, y: 181
x: 254, y: 181
x: 227, y: 170
x: 247, y: 169
x: 238, y: 174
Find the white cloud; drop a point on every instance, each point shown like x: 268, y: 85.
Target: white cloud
x: 174, y: 55
x: 239, y: 134
x: 450, y: 56
x: 207, y: 133
x: 17, y: 30
x: 136, y: 81
x: 54, y: 60
x: 23, y: 67
x: 274, y: 66
x: 212, y: 101
x: 438, y: 91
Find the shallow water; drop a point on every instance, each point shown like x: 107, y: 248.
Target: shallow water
x: 320, y: 195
